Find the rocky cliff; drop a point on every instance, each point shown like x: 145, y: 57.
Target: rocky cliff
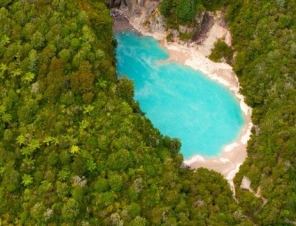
x: 145, y: 16
x: 142, y: 14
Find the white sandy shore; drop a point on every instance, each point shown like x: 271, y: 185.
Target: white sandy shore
x: 234, y: 154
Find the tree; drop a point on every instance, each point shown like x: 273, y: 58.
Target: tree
x: 134, y: 210
x: 91, y: 165
x: 29, y: 162
x: 3, y: 68
x: 17, y: 72
x: 37, y: 40
x: 125, y: 89
x: 10, y: 179
x: 55, y: 80
x: 138, y: 221
x: 185, y: 11
x: 120, y: 160
x: 82, y: 81
x: 74, y: 149
x: 27, y: 151
x: 34, y: 144
x: 6, y: 118
x: 221, y: 51
x: 70, y: 210
x: 88, y: 109
x: 165, y: 7
x: 65, y: 55
x: 29, y: 77
x: 21, y: 140
x: 115, y: 182
x: 63, y: 174
x: 101, y: 185
x: 47, y: 140
x: 5, y: 40
x: 116, y: 220
x: 27, y: 180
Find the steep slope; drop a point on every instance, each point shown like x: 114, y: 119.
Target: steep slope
x: 264, y: 38
x: 74, y: 147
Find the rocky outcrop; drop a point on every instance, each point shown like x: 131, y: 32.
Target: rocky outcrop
x: 202, y: 33
x: 141, y: 13
x: 144, y: 14
x: 206, y: 22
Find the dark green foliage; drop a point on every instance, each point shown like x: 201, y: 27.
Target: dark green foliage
x: 264, y: 38
x: 178, y: 11
x: 213, y: 5
x: 74, y: 147
x: 125, y: 89
x: 221, y: 52
x: 184, y: 11
x: 120, y: 160
x: 165, y: 7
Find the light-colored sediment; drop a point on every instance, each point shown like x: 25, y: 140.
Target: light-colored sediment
x: 195, y: 56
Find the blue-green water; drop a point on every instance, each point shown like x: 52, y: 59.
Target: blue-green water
x: 180, y: 102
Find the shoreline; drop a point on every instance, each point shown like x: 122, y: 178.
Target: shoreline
x: 195, y: 56
x: 233, y: 154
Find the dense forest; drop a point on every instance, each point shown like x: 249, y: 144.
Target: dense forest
x: 75, y: 149
x: 264, y: 36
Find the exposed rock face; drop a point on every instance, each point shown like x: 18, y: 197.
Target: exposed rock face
x: 142, y: 13
x: 145, y: 16
x: 206, y: 22
x: 156, y: 22
x: 120, y: 23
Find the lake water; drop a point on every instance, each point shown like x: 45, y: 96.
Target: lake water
x: 179, y: 101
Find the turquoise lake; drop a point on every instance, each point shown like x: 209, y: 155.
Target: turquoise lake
x: 179, y: 101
